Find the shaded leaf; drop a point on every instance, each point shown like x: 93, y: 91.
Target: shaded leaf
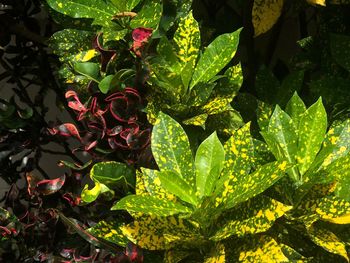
x: 149, y: 16
x: 265, y: 14
x: 340, y: 50
x: 109, y: 231
x: 150, y: 205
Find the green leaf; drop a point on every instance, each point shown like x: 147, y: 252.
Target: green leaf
x: 291, y: 84
x: 171, y: 148
x: 166, y: 51
x: 283, y: 131
x: 312, y: 129
x: 328, y: 240
x: 150, y: 205
x: 216, y: 254
x: 101, y: 11
x: 113, y: 174
x: 109, y: 231
x: 125, y: 5
x: 209, y: 162
x: 187, y: 40
x: 264, y: 113
x: 175, y: 185
x: 295, y: 109
x: 91, y: 195
x: 149, y: 16
x: 88, y: 69
x: 254, y: 216
x: 215, y: 57
x: 340, y: 50
x: 106, y: 84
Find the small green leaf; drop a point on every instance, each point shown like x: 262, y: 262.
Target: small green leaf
x: 175, y: 185
x: 149, y: 16
x: 171, y: 148
x: 209, y: 162
x: 105, y: 84
x: 295, y: 109
x: 312, y: 129
x: 150, y: 205
x: 215, y: 57
x: 88, y: 69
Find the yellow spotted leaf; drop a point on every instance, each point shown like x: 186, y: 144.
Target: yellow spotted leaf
x: 187, y: 40
x: 109, y: 231
x: 254, y: 216
x: 265, y: 14
x: 262, y: 249
x: 155, y: 233
x: 328, y: 240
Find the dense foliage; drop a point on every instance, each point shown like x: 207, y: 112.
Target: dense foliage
x: 198, y: 131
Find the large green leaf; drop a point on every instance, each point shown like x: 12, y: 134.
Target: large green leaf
x: 187, y: 40
x: 215, y: 57
x: 101, y: 11
x: 312, y: 129
x: 233, y: 190
x: 173, y: 183
x: 88, y: 69
x: 150, y: 205
x: 254, y: 216
x: 209, y: 162
x: 171, y: 148
x: 149, y: 16
x: 125, y: 5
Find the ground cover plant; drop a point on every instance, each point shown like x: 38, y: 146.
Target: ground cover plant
x: 193, y: 131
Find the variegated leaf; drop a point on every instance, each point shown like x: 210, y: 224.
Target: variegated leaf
x: 328, y: 240
x: 237, y: 190
x: 153, y: 185
x: 187, y: 40
x: 157, y: 233
x: 312, y: 129
x: 171, y: 148
x: 295, y: 109
x: 149, y: 15
x: 215, y: 57
x: 109, y: 231
x: 150, y: 205
x: 254, y: 216
x: 198, y: 120
x: 261, y: 249
x: 265, y: 14
x: 209, y: 162
x: 239, y: 153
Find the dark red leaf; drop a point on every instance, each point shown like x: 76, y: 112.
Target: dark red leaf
x: 141, y: 34
x: 47, y: 187
x: 67, y: 130
x: 74, y: 102
x: 106, y: 54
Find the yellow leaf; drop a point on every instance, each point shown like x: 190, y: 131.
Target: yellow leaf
x: 217, y: 254
x: 317, y: 2
x: 265, y: 15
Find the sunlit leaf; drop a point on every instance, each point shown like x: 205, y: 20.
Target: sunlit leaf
x: 209, y: 162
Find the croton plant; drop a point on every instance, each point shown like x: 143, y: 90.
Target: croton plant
x: 193, y: 149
